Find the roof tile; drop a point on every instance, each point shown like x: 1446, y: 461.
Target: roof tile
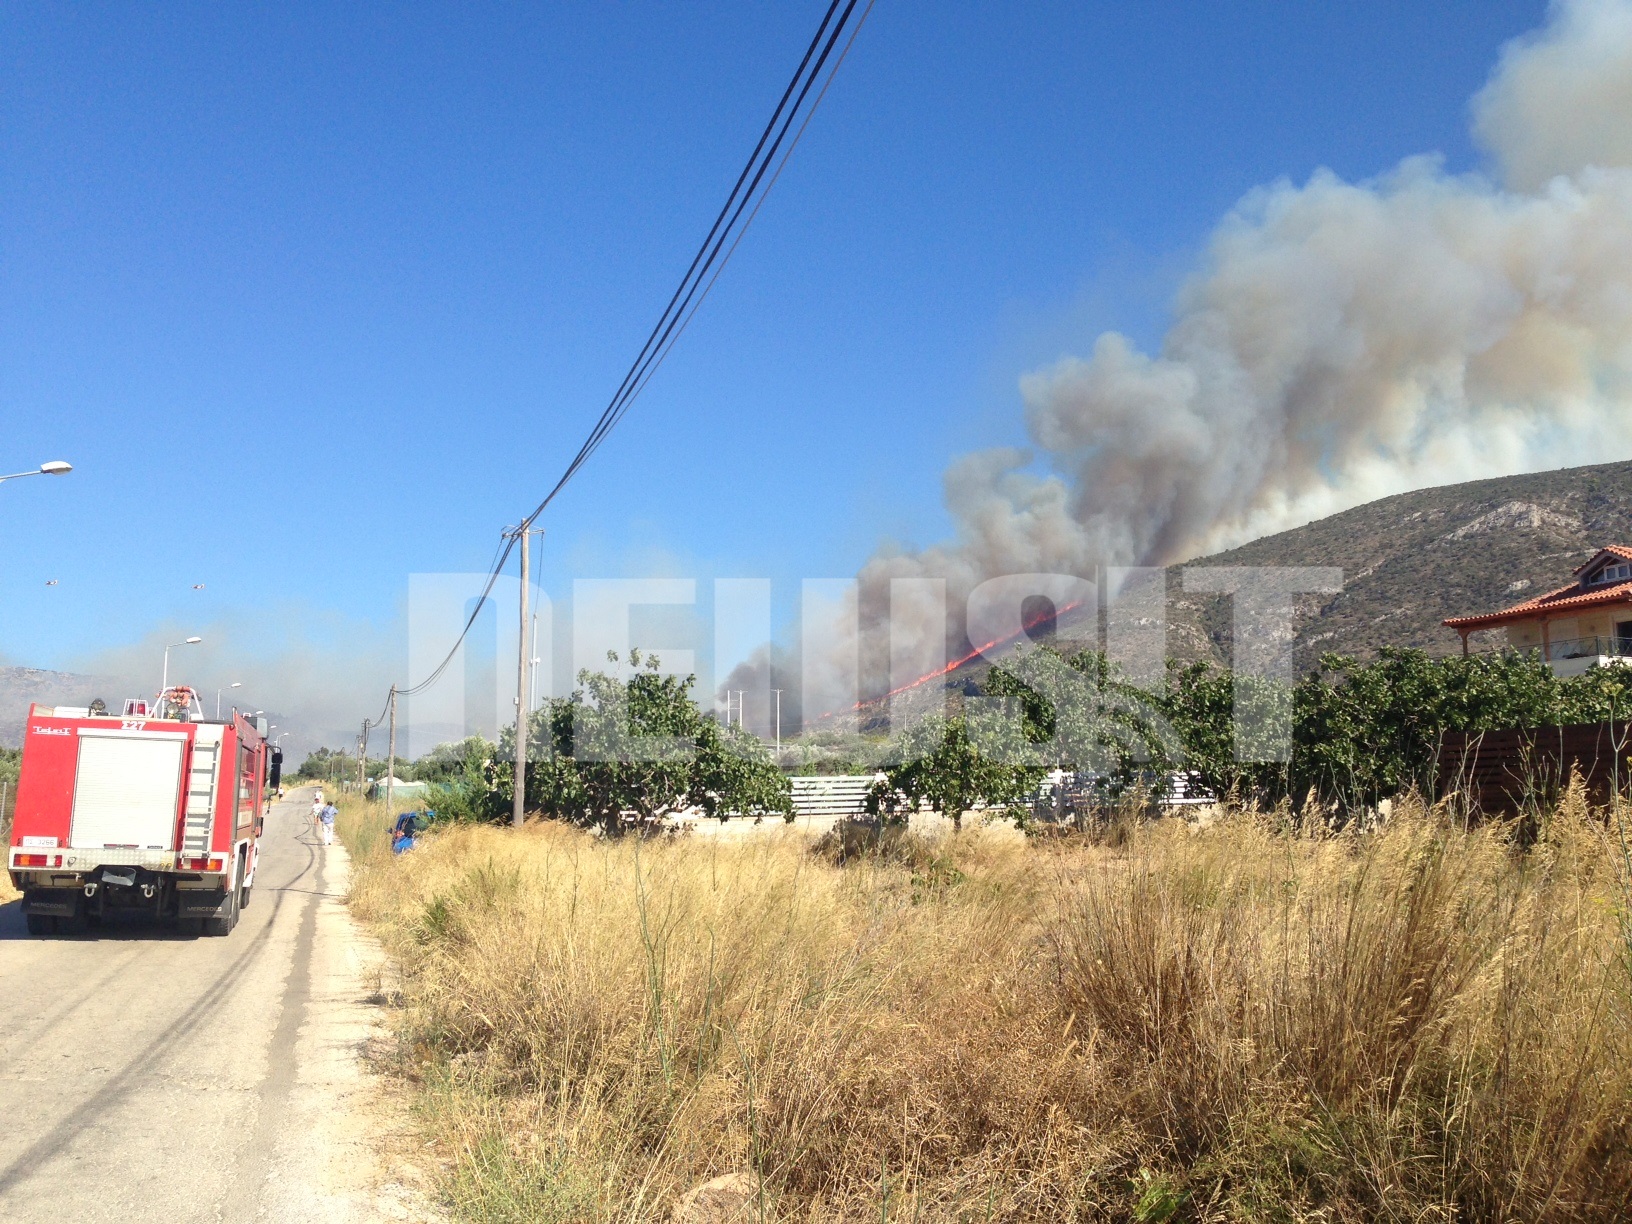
x: 1552, y: 601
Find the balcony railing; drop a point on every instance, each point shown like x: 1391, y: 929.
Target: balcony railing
x: 1589, y: 648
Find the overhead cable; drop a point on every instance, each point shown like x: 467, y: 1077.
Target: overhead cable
x: 730, y: 224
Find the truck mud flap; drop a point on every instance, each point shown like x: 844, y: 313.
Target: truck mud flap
x: 62, y: 902
x: 200, y: 903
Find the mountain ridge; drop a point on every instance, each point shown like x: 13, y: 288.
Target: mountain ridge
x: 1413, y: 559
x: 21, y: 687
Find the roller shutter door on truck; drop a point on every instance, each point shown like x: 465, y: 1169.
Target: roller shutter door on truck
x: 127, y: 789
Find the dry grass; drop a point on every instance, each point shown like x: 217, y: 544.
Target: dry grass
x: 1217, y: 1024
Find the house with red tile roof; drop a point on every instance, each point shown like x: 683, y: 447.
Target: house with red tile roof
x: 1579, y: 626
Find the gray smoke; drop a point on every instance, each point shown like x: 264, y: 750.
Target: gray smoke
x: 1343, y: 341
x: 1338, y: 342
x: 311, y: 672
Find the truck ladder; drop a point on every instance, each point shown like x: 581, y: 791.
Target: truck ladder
x: 201, y: 773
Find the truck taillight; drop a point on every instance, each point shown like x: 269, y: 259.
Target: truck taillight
x: 214, y: 863
x: 31, y: 860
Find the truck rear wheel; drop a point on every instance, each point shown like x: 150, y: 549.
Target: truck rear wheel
x: 222, y: 924
x: 42, y: 924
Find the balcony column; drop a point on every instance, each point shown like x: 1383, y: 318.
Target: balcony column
x: 1463, y: 634
x: 1546, y: 643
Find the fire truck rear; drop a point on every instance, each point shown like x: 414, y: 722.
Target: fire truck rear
x: 155, y: 810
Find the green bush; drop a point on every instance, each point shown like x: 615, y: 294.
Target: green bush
x: 11, y: 760
x: 1358, y: 732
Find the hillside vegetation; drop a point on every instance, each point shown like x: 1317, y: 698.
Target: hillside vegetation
x: 1238, y: 1021
x: 1412, y: 560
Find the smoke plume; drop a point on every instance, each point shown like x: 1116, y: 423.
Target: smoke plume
x: 1343, y: 341
x: 310, y: 672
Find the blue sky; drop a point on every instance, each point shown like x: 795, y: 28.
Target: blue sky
x: 317, y: 296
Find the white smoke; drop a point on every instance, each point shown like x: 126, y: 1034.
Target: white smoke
x: 1561, y: 98
x: 1343, y: 341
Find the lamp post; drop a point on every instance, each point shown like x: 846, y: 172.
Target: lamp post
x: 165, y: 683
x: 234, y: 684
x: 55, y: 468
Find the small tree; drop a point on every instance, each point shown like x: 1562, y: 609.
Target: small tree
x: 455, y: 761
x: 328, y: 765
x: 957, y: 765
x: 462, y: 781
x: 616, y: 751
x: 1079, y: 714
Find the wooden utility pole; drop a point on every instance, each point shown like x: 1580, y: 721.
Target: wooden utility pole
x: 362, y: 759
x: 391, y: 757
x: 523, y: 700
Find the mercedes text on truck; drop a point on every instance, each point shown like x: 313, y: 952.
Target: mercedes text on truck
x: 155, y: 810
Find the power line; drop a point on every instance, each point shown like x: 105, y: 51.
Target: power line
x: 750, y: 188
x: 759, y: 203
x: 665, y: 331
x: 470, y: 622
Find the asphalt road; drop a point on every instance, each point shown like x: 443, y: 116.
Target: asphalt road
x: 150, y: 1076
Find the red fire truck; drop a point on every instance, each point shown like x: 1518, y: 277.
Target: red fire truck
x: 155, y: 809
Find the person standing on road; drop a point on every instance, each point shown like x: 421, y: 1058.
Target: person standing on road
x: 326, y: 818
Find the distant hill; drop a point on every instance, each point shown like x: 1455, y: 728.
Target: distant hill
x: 1411, y: 560
x: 22, y: 686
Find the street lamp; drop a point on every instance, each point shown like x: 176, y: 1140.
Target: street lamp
x: 55, y: 468
x: 234, y: 684
x: 165, y: 684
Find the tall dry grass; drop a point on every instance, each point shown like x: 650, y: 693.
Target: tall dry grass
x: 1226, y: 1023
